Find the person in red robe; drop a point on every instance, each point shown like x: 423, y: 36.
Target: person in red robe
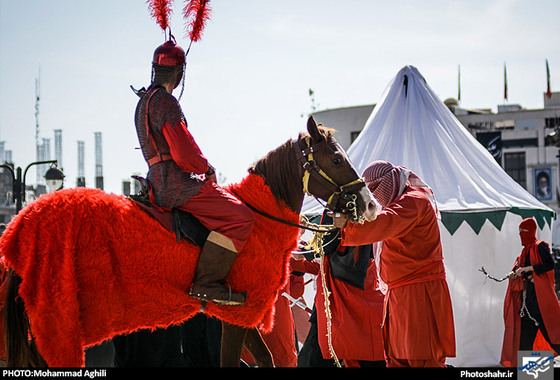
x: 418, y: 327
x: 281, y: 339
x: 356, y: 315
x: 180, y: 177
x: 530, y: 304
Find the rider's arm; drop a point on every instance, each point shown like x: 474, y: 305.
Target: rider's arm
x: 184, y: 150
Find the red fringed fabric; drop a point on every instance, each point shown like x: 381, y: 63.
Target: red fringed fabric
x: 160, y: 11
x: 93, y: 265
x: 196, y: 13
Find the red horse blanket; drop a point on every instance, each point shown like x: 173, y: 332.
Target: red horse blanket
x: 93, y: 265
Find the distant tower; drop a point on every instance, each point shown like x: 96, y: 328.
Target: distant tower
x: 44, y: 155
x: 81, y: 180
x: 98, y: 161
x: 43, y: 148
x: 38, y: 146
x: 58, y: 147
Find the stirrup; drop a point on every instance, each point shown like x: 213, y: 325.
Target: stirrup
x: 230, y: 302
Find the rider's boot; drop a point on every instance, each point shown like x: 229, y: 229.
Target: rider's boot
x: 210, y: 279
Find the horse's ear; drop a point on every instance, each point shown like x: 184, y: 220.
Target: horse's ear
x: 313, y: 130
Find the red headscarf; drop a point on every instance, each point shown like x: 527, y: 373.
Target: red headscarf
x: 528, y: 231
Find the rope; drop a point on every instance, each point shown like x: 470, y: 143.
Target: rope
x: 311, y: 246
x: 319, y: 253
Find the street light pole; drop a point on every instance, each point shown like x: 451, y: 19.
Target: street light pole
x: 18, y: 182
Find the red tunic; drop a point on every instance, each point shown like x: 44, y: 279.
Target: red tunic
x: 548, y: 306
x: 162, y: 129
x: 175, y: 177
x: 418, y: 321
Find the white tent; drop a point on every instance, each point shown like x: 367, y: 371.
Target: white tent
x: 481, y: 205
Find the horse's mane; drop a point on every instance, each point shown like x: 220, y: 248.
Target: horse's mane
x: 279, y: 166
x: 275, y: 168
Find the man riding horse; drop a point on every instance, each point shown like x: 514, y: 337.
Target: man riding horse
x: 180, y: 177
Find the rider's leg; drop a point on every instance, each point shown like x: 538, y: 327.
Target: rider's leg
x: 230, y: 223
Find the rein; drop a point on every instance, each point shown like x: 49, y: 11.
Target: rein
x: 306, y: 225
x: 311, y: 169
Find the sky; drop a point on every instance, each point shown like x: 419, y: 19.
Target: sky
x: 248, y: 78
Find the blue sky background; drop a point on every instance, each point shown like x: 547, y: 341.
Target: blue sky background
x: 248, y: 78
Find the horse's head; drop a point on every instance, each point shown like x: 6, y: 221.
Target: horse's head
x: 329, y: 175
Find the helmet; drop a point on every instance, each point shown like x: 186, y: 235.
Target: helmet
x: 169, y: 54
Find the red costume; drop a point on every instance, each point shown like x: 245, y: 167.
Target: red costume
x: 281, y: 339
x: 418, y: 328
x: 181, y: 178
x: 541, y: 302
x: 356, y: 315
x: 175, y: 161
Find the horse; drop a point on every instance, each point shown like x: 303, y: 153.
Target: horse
x: 86, y: 265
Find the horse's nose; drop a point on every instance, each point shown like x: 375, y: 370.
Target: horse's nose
x: 372, y: 209
x: 372, y: 206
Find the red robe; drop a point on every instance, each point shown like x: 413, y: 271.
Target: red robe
x: 418, y: 322
x: 281, y: 340
x: 356, y: 315
x: 546, y: 298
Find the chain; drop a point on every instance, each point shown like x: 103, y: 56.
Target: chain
x: 494, y: 278
x: 524, y: 309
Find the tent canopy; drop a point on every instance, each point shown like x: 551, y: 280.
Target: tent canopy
x: 411, y: 126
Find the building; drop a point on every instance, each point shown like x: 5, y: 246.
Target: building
x: 525, y: 142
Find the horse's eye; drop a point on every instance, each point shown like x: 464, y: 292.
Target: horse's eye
x: 337, y: 161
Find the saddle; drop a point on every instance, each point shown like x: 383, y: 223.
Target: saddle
x: 183, y: 224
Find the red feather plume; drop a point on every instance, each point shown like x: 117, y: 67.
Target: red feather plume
x: 196, y: 13
x: 160, y: 11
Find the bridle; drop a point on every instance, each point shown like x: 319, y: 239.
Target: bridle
x: 311, y: 170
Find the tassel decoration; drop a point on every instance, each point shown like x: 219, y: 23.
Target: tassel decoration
x: 196, y: 13
x: 160, y: 11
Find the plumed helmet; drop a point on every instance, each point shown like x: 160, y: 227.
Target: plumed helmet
x: 169, y: 54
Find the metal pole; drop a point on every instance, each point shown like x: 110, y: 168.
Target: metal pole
x: 18, y: 190
x: 22, y: 182
x: 18, y: 182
